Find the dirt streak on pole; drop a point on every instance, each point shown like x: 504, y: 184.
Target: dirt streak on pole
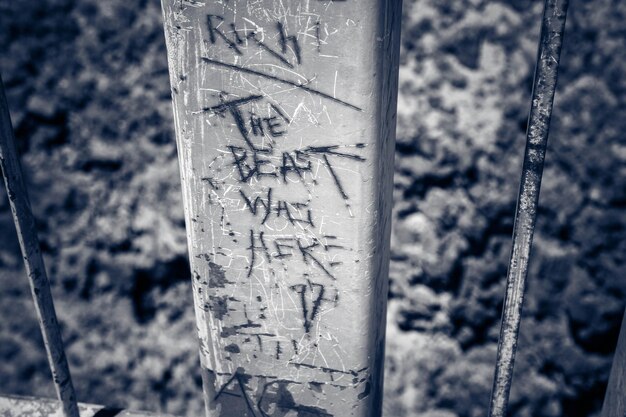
x: 544, y: 86
x: 285, y: 125
x: 39, y: 285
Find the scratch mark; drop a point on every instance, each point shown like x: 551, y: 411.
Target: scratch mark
x: 280, y: 80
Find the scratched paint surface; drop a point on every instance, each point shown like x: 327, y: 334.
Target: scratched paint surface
x: 284, y: 116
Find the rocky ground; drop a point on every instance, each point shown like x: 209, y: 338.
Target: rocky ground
x: 89, y: 93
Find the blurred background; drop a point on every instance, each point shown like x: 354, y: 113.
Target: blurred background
x: 89, y: 95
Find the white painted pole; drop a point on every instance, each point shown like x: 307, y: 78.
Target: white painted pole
x: 285, y: 123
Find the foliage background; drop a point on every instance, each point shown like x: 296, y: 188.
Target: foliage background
x: 89, y: 93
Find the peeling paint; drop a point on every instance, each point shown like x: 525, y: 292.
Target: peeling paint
x: 217, y: 276
x: 277, y: 401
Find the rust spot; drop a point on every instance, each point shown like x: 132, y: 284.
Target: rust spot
x: 217, y: 276
x: 219, y: 306
x: 232, y: 348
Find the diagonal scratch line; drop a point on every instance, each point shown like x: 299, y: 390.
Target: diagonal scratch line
x: 280, y: 80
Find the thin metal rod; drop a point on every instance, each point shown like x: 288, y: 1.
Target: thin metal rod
x: 544, y: 86
x: 615, y: 395
x: 39, y: 285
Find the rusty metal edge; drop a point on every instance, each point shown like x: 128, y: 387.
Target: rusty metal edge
x: 14, y: 406
x: 544, y: 87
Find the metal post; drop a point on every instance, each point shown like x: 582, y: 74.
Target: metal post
x: 285, y: 125
x: 29, y: 244
x: 544, y: 86
x: 615, y: 397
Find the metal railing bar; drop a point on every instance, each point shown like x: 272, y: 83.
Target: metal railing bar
x: 37, y: 277
x: 544, y: 86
